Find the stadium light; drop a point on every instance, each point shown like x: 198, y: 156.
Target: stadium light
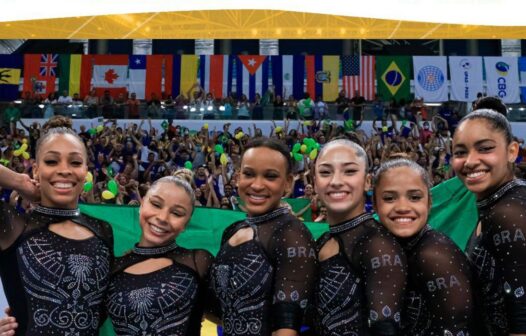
x: 221, y: 108
x: 209, y: 108
x: 41, y: 106
x: 192, y: 109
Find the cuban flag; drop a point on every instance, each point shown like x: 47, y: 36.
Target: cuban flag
x: 252, y: 75
x: 215, y: 74
x: 288, y: 74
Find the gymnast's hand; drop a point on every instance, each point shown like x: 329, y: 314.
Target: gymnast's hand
x: 28, y: 188
x: 8, y: 324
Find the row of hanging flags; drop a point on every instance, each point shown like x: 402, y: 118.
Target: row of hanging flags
x: 435, y: 78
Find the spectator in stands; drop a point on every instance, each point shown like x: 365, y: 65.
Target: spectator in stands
x: 92, y: 102
x: 357, y: 103
x: 342, y: 102
x: 108, y: 105
x: 11, y: 117
x: 291, y: 107
x: 243, y: 107
x: 65, y: 98
x: 321, y: 109
x: 153, y: 106
x: 278, y: 108
x: 133, y: 105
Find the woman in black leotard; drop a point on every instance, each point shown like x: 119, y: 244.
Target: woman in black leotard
x: 483, y: 158
x: 362, y: 267
x: 264, y: 273
x: 157, y: 289
x: 54, y: 261
x: 439, y: 299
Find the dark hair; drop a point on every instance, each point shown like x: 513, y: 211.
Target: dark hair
x: 492, y: 103
x: 273, y: 144
x: 398, y: 163
x: 497, y: 122
x: 57, y: 125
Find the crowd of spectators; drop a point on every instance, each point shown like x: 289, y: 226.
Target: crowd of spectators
x: 137, y: 154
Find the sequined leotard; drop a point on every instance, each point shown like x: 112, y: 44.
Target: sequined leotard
x: 439, y: 299
x: 168, y: 301
x: 54, y: 285
x: 360, y: 289
x: 498, y: 254
x: 264, y: 284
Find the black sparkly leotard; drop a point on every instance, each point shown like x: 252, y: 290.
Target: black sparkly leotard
x: 265, y: 284
x: 360, y: 289
x: 498, y: 254
x: 54, y: 285
x: 168, y: 301
x: 439, y: 299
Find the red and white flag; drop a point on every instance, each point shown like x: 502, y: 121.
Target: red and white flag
x: 110, y: 72
x: 215, y: 74
x: 358, y: 73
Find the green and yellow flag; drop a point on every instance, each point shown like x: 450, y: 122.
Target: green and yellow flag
x: 69, y: 73
x: 393, y: 74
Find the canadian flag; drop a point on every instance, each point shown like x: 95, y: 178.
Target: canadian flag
x: 110, y: 72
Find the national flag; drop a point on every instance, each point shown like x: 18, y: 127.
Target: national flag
x: 288, y: 75
x: 252, y: 75
x: 502, y: 78
x: 184, y: 74
x: 40, y: 73
x: 393, y: 77
x: 323, y: 75
x: 522, y: 73
x: 10, y: 70
x: 69, y: 71
x: 466, y: 77
x: 147, y: 73
x: 107, y: 72
x: 215, y: 74
x: 358, y: 74
x: 430, y: 78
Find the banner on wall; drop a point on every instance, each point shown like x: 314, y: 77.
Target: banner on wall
x: 466, y: 77
x: 109, y: 72
x: 323, y: 75
x: 252, y: 75
x: 147, y: 73
x: 10, y: 71
x: 393, y: 77
x: 502, y: 78
x: 358, y: 74
x: 431, y: 78
x: 215, y: 74
x: 288, y: 75
x: 40, y: 73
x: 522, y: 73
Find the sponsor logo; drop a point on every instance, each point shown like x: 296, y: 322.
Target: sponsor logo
x: 466, y: 65
x: 502, y: 69
x: 431, y: 78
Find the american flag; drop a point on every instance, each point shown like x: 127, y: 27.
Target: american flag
x: 48, y: 65
x: 358, y: 73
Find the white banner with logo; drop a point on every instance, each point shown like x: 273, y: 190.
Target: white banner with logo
x: 466, y: 77
x: 502, y: 78
x: 431, y: 78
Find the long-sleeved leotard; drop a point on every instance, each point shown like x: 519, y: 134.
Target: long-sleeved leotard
x: 439, y: 298
x: 360, y: 289
x: 499, y: 256
x: 54, y: 285
x: 168, y: 301
x: 264, y: 284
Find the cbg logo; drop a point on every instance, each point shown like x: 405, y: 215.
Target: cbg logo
x: 502, y: 69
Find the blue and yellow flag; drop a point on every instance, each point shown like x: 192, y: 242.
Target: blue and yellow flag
x: 10, y: 70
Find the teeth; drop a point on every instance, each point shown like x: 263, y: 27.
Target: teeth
x: 403, y: 220
x: 257, y: 197
x: 157, y: 229
x: 338, y: 194
x: 476, y: 174
x: 63, y: 185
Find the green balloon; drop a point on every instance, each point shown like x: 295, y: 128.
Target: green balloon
x: 164, y: 124
x: 92, y: 131
x: 219, y: 149
x: 296, y: 148
x: 109, y: 170
x: 188, y: 165
x: 298, y: 157
x: 112, y: 187
x: 88, y: 186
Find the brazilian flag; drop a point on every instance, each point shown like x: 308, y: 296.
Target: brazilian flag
x: 10, y: 70
x: 393, y: 74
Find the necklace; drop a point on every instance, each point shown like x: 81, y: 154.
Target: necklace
x: 500, y: 192
x: 268, y: 216
x: 157, y: 250
x: 350, y: 224
x: 55, y: 212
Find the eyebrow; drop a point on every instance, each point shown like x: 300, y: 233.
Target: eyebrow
x: 350, y: 163
x: 477, y: 143
x: 59, y: 153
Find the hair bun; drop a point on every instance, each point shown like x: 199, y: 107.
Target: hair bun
x: 57, y: 122
x: 185, y: 174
